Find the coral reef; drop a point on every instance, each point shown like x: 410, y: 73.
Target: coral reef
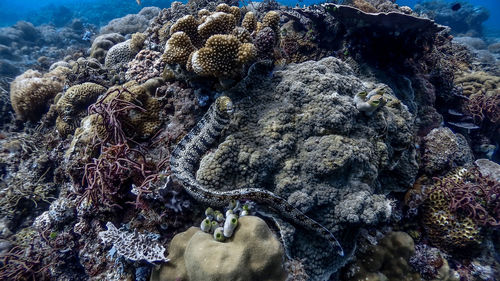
x: 317, y: 117
x: 253, y: 253
x: 314, y: 149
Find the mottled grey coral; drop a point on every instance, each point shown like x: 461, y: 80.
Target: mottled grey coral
x: 444, y: 150
x: 300, y: 136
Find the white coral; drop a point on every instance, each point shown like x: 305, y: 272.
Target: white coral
x: 134, y: 246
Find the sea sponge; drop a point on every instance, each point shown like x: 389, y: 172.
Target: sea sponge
x: 73, y: 104
x: 31, y: 92
x: 252, y: 253
x: 249, y: 22
x: 103, y: 43
x: 178, y: 48
x: 222, y: 56
x: 217, y: 23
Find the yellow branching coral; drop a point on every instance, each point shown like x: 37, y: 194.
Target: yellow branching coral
x: 272, y: 19
x: 217, y: 23
x: 233, y: 10
x: 249, y: 22
x: 242, y: 34
x: 221, y: 56
x: 189, y: 25
x: 178, y: 48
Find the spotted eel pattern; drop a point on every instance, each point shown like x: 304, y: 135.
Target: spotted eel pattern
x: 188, y: 153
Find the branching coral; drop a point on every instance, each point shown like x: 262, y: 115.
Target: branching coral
x: 134, y: 246
x: 214, y: 45
x: 222, y: 56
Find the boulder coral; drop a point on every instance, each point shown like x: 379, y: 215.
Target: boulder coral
x: 32, y: 91
x: 122, y: 53
x: 252, y: 253
x: 389, y: 259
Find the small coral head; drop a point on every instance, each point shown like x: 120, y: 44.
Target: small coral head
x: 224, y: 105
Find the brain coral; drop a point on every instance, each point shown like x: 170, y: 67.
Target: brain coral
x: 72, y: 106
x: 300, y: 136
x: 103, y: 43
x: 31, y: 92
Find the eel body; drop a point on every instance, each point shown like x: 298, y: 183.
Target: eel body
x: 188, y: 153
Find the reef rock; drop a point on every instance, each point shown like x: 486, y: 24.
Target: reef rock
x: 300, y: 135
x: 253, y: 253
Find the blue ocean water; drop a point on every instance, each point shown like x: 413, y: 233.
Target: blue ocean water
x: 100, y: 12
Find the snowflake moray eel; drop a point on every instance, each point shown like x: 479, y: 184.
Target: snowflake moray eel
x: 188, y: 153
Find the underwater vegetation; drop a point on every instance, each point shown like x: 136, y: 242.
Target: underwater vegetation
x: 229, y: 140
